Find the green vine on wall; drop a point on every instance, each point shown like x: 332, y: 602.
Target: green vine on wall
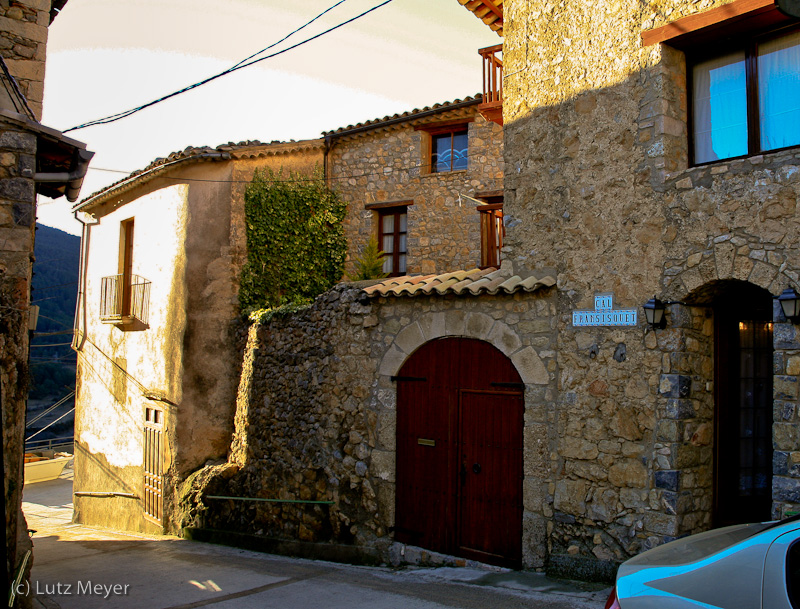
x: 295, y: 240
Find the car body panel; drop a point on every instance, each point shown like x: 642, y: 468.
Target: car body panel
x: 719, y: 568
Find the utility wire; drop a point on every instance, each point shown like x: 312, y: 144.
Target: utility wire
x: 377, y: 172
x: 71, y: 394
x: 242, y: 64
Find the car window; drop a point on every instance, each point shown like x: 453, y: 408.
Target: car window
x: 793, y: 574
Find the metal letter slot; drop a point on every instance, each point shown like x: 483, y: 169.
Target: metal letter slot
x: 425, y: 442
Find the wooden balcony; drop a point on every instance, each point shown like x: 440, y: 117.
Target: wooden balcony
x: 491, y: 108
x: 492, y: 233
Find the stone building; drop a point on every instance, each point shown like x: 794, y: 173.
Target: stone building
x: 428, y: 182
x: 631, y: 178
x: 34, y: 159
x: 157, y: 364
x: 631, y: 173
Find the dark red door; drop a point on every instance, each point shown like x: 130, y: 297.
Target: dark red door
x: 743, y: 460
x: 459, y: 451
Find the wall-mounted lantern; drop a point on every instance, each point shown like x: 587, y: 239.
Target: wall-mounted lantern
x: 790, y: 303
x: 654, y: 313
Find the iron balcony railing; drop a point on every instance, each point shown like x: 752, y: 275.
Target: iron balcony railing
x: 124, y: 301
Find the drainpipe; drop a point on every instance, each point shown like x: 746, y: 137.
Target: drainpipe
x: 79, y: 325
x: 325, y: 158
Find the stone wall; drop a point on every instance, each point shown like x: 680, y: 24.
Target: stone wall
x: 389, y: 164
x: 316, y: 416
x: 17, y: 222
x: 23, y: 46
x: 598, y: 186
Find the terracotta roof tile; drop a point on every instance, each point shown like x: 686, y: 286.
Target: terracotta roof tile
x: 410, y: 114
x: 474, y: 282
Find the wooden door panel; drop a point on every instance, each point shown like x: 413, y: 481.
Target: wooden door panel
x: 490, y: 450
x: 425, y: 505
x: 433, y: 509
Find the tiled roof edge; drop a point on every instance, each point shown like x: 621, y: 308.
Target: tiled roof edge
x: 406, y: 116
x: 467, y: 283
x: 192, y: 154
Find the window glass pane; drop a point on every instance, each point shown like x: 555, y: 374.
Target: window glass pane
x: 403, y: 223
x: 460, y: 150
x: 442, y: 153
x: 402, y: 264
x: 779, y: 92
x: 387, y: 224
x: 387, y: 264
x: 388, y: 244
x: 720, y: 108
x: 401, y: 247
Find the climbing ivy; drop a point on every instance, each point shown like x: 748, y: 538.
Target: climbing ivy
x: 295, y: 240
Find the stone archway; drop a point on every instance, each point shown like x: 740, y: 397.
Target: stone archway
x: 456, y: 323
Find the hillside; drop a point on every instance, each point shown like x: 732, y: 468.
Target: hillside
x: 55, y: 285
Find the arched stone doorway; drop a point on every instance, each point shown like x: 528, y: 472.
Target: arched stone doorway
x: 743, y: 413
x: 460, y: 414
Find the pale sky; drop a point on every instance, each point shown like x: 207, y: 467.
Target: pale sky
x: 106, y: 56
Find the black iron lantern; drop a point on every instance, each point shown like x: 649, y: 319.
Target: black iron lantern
x: 654, y: 313
x: 790, y: 303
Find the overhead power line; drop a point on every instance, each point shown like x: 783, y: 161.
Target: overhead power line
x: 247, y: 62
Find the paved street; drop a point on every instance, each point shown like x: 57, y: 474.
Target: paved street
x: 86, y: 567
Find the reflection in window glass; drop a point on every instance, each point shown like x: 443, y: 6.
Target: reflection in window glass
x: 449, y: 151
x: 720, y: 108
x: 779, y: 92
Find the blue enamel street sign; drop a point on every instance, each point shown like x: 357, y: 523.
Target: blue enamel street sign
x: 604, y: 314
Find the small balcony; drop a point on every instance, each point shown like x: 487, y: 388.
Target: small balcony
x: 124, y: 300
x: 491, y: 108
x: 492, y: 233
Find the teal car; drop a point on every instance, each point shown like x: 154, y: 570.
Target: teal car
x: 747, y: 566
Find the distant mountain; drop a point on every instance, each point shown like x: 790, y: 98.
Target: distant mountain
x: 55, y: 288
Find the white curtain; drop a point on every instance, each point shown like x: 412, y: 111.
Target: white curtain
x: 720, y: 108
x: 779, y: 92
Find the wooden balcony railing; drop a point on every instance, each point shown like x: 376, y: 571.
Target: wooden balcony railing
x: 491, y: 108
x: 124, y: 301
x: 492, y: 233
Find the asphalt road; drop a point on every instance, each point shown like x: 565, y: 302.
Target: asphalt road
x: 87, y: 567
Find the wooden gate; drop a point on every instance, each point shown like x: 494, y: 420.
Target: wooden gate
x: 459, y: 451
x: 152, y: 497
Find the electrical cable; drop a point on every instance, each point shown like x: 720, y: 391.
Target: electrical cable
x: 248, y: 62
x: 377, y: 172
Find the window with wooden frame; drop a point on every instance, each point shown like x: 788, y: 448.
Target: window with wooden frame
x: 125, y: 297
x: 125, y: 265
x: 746, y: 97
x: 446, y: 147
x: 392, y: 239
x: 743, y: 78
x: 492, y: 230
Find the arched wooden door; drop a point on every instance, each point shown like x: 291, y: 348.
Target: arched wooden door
x: 459, y: 451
